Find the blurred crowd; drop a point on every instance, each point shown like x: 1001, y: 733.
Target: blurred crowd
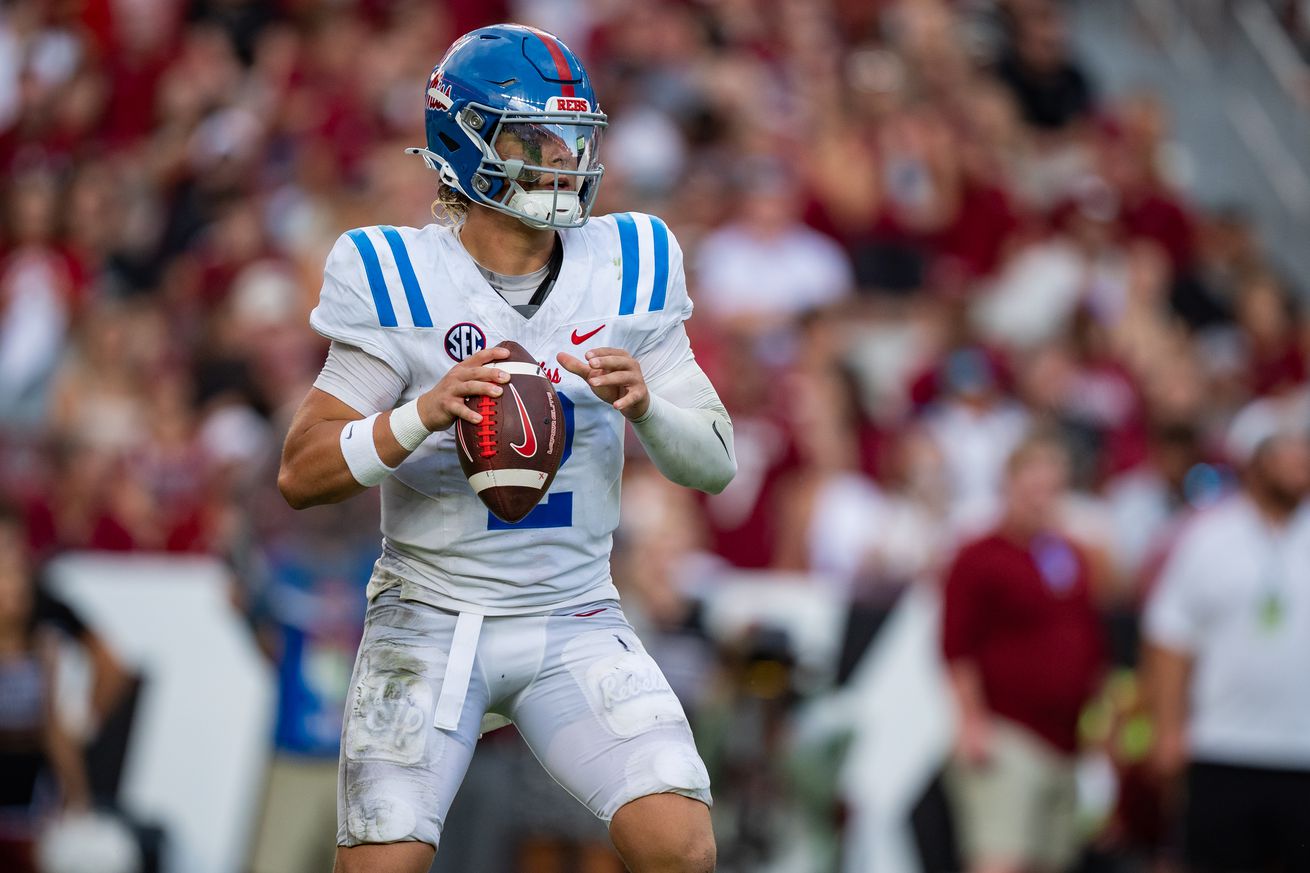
x: 914, y: 230
x: 1295, y: 18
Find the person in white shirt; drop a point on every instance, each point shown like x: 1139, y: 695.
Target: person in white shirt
x: 975, y: 427
x: 1228, y: 659
x: 764, y: 269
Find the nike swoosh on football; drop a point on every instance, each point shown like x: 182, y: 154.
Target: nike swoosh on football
x: 529, y: 446
x: 579, y: 340
x: 459, y: 433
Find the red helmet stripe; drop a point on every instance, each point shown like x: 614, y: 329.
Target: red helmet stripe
x: 561, y: 62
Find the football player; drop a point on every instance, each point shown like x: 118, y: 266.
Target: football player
x: 473, y: 622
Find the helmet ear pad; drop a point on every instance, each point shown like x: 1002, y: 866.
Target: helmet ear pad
x: 462, y: 149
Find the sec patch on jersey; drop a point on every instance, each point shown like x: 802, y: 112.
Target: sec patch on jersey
x: 511, y: 456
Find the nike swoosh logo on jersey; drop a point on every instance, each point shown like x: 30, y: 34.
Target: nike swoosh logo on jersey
x: 529, y: 446
x: 580, y: 339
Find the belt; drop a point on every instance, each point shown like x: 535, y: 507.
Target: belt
x: 459, y: 667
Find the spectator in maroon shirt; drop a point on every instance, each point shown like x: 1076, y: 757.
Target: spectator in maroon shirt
x: 1270, y: 328
x: 1025, y: 653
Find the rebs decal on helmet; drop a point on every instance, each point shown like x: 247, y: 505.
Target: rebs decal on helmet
x: 567, y: 104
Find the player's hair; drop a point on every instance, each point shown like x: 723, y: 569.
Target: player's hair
x: 1044, y: 437
x: 450, y: 207
x: 11, y: 515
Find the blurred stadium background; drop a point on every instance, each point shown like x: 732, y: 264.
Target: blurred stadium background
x: 913, y: 228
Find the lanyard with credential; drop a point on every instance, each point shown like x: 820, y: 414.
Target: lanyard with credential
x: 1271, y: 601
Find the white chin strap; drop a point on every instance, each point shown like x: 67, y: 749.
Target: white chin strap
x: 542, y: 209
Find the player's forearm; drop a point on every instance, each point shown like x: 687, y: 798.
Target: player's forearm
x: 66, y: 760
x: 966, y: 688
x: 111, y: 678
x: 1167, y: 672
x: 62, y: 750
x: 314, y: 469
x: 691, y: 447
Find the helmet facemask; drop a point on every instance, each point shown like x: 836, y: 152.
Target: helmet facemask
x: 541, y: 167
x: 548, y: 165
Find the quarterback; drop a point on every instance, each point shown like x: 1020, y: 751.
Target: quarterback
x: 473, y: 622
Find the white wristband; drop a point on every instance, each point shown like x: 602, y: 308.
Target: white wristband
x: 361, y: 453
x: 407, y: 427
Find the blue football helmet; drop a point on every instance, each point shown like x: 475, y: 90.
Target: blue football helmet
x: 512, y: 123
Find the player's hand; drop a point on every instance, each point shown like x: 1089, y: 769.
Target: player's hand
x: 614, y: 376
x: 440, y: 405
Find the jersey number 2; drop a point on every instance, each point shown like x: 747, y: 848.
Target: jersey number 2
x: 557, y: 509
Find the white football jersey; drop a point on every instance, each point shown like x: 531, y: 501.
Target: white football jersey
x: 414, y: 298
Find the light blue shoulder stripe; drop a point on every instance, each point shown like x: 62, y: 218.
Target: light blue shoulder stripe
x: 628, y: 251
x: 418, y: 308
x: 372, y: 269
x: 660, y: 232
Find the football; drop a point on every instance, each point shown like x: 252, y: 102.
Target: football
x: 510, y: 458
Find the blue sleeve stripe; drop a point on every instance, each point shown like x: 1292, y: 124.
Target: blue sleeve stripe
x: 376, y: 284
x: 418, y: 308
x: 660, y: 232
x: 628, y: 251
